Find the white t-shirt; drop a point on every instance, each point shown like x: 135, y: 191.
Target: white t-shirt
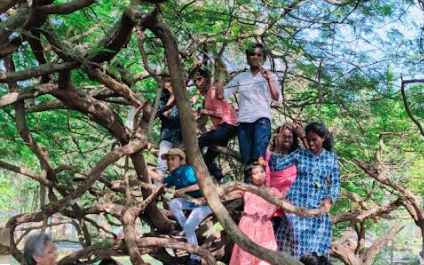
x: 255, y: 95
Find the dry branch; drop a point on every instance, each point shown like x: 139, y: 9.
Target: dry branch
x: 348, y: 256
x: 63, y: 9
x: 263, y: 193
x: 16, y: 96
x: 192, y: 150
x: 16, y: 220
x: 135, y: 145
x: 338, y: 3
x: 371, y: 252
x: 116, y: 86
x: 406, y: 104
x: 32, y: 175
x: 44, y: 69
x: 379, y: 211
x: 410, y: 202
x: 129, y: 217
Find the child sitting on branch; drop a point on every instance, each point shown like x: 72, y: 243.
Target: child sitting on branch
x: 183, y: 178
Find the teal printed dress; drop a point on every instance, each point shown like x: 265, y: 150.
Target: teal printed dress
x: 317, y: 177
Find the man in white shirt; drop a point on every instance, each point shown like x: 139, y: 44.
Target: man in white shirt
x: 257, y: 89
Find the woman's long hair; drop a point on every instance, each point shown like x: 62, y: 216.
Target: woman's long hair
x: 323, y: 132
x: 290, y: 127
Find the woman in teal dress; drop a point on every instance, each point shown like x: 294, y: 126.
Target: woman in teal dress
x: 317, y: 185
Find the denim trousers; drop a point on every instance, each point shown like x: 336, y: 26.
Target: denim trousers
x: 189, y: 225
x: 254, y: 138
x: 219, y: 136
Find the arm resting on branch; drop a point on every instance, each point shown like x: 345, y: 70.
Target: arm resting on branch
x: 284, y: 204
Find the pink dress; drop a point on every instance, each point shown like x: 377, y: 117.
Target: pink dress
x: 281, y: 180
x: 256, y: 224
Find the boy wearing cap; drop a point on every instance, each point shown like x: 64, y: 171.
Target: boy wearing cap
x: 183, y: 178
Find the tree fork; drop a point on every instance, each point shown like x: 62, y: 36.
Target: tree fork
x: 193, y: 153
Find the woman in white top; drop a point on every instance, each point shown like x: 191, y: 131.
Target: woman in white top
x: 257, y: 88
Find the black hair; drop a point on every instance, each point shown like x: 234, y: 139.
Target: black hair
x: 250, y: 167
x: 323, y: 132
x: 166, y: 78
x: 203, y: 72
x: 108, y: 261
x: 252, y: 47
x: 165, y: 92
x: 314, y: 259
x: 295, y: 144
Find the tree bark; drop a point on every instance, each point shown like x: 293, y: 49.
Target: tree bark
x: 193, y: 153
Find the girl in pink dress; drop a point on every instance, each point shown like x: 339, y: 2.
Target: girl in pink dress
x: 256, y: 220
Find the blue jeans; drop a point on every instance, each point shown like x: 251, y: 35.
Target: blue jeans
x: 254, y: 139
x: 219, y: 136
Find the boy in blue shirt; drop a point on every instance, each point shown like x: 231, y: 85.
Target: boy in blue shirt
x: 183, y: 178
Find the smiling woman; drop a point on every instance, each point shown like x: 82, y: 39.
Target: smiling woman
x: 317, y: 185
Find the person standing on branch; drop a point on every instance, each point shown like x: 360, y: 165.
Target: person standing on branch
x: 257, y: 89
x: 285, y: 141
x: 223, y: 117
x: 256, y: 220
x: 317, y: 186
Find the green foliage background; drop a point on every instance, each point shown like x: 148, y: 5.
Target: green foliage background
x: 337, y: 64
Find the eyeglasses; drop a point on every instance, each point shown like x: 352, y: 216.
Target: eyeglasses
x: 286, y: 137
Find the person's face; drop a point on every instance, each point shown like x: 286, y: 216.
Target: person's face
x: 49, y: 256
x: 255, y: 57
x: 201, y: 82
x: 315, y: 142
x: 258, y: 176
x: 167, y: 85
x: 174, y: 162
x: 286, y: 139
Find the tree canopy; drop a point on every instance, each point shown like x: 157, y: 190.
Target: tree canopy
x: 71, y: 70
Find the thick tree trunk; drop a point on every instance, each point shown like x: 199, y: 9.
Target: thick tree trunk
x: 193, y: 153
